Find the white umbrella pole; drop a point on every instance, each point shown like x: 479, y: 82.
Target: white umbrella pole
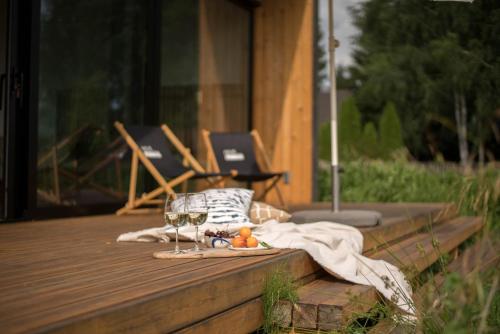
x: 333, y: 112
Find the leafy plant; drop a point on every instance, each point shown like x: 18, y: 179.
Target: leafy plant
x: 349, y: 129
x: 369, y: 141
x: 390, y: 131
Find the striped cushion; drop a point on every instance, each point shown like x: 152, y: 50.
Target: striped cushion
x: 262, y: 212
x: 228, y: 205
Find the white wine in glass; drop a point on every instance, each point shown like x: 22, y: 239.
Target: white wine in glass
x: 197, y: 210
x: 176, y: 215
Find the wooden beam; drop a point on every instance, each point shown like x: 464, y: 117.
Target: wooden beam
x: 185, y: 152
x: 283, y: 91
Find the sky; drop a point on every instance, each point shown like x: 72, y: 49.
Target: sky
x: 343, y: 28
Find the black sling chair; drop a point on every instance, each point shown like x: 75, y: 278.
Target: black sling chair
x: 150, y: 146
x: 235, y: 152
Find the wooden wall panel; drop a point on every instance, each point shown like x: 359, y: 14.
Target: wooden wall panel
x: 283, y: 90
x: 223, y: 67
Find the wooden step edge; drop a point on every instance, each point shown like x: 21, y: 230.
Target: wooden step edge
x: 483, y: 255
x: 334, y: 314
x: 439, y: 241
x: 244, y: 318
x: 392, y: 232
x: 172, y: 309
x: 251, y: 312
x: 478, y: 258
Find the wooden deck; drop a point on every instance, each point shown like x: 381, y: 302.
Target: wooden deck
x: 69, y: 275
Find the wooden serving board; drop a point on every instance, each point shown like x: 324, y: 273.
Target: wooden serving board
x: 214, y: 252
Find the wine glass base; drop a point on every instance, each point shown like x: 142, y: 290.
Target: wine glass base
x: 178, y: 251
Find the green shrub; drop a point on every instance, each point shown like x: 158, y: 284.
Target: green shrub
x: 390, y: 131
x: 369, y: 141
x: 349, y: 129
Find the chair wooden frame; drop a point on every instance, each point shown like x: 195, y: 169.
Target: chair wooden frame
x: 53, y: 158
x: 265, y: 165
x: 165, y: 187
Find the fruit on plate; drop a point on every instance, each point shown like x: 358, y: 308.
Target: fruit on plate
x: 245, y: 239
x: 252, y: 242
x: 239, y: 242
x: 245, y: 232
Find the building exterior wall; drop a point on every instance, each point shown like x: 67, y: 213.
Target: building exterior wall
x: 283, y: 91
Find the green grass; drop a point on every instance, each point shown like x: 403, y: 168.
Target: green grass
x: 400, y: 181
x: 279, y: 285
x: 470, y: 305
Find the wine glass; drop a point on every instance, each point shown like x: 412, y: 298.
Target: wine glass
x: 176, y: 215
x: 197, y: 211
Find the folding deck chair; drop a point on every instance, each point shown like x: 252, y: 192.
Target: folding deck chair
x: 235, y: 152
x: 150, y: 146
x: 63, y: 152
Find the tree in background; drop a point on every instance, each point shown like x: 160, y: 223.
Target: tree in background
x: 369, y: 145
x: 349, y: 129
x: 356, y: 140
x: 439, y: 62
x: 390, y: 131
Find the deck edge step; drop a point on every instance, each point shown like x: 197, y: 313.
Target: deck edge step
x: 349, y: 298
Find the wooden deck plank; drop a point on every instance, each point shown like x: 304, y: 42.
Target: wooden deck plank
x: 197, y: 296
x: 244, y: 318
x: 71, y: 275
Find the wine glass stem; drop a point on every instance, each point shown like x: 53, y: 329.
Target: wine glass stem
x: 196, y: 247
x: 177, y: 249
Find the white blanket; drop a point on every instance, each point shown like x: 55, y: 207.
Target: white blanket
x: 336, y: 247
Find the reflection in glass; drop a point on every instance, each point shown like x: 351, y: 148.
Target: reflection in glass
x: 92, y: 70
x: 92, y: 61
x: 179, y: 68
x: 205, y: 47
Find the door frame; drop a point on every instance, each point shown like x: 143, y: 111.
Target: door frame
x: 20, y: 112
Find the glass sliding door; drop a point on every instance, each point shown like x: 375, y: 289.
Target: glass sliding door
x: 91, y: 73
x: 179, y: 80
x: 180, y: 62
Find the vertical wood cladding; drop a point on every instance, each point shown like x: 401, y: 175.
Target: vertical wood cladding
x: 283, y: 91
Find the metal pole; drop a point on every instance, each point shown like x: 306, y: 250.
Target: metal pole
x: 333, y: 112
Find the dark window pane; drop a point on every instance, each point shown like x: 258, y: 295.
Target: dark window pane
x: 179, y: 68
x: 205, y: 65
x: 92, y: 63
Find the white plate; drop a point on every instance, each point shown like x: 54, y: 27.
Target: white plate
x: 259, y: 247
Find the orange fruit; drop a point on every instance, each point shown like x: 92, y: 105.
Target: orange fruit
x: 245, y: 232
x: 239, y: 242
x: 252, y: 242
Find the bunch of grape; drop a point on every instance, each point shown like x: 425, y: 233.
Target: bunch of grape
x: 219, y: 234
